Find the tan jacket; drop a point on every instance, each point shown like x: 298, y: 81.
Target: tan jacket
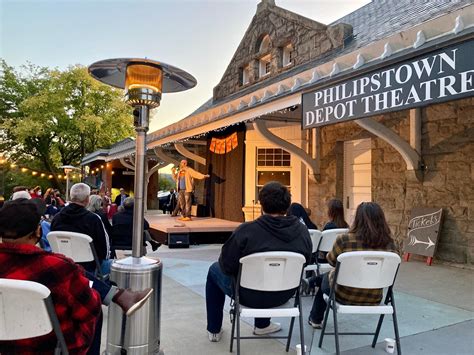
x: 189, y: 175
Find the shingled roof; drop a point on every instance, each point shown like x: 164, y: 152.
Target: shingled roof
x: 370, y: 23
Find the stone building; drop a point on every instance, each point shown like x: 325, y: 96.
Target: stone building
x: 403, y: 136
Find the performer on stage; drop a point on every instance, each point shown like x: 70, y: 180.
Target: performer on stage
x: 185, y: 185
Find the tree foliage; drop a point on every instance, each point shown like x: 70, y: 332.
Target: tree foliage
x: 52, y: 118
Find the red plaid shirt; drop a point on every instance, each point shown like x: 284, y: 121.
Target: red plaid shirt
x: 76, y: 304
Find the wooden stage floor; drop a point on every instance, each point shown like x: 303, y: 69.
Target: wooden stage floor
x: 162, y: 225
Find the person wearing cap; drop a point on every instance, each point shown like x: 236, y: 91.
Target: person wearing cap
x: 77, y: 305
x: 120, y: 198
x: 185, y: 185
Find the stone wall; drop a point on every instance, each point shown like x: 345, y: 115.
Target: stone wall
x: 447, y: 150
x: 309, y: 39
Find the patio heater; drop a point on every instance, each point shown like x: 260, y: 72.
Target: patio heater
x: 67, y: 169
x: 144, y: 82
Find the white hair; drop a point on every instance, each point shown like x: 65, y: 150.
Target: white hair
x: 95, y: 203
x: 80, y: 193
x: 21, y: 194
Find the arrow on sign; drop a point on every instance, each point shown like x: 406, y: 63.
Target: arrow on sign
x: 414, y: 241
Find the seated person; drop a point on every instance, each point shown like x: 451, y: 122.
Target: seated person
x: 76, y: 218
x: 369, y: 231
x: 76, y: 304
x: 122, y: 227
x: 299, y: 211
x: 273, y: 231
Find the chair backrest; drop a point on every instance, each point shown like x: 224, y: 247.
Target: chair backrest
x: 271, y: 271
x: 76, y: 246
x: 27, y: 311
x: 328, y: 238
x: 367, y: 269
x: 315, y: 236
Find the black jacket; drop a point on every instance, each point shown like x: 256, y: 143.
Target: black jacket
x: 75, y: 218
x: 122, y: 228
x: 118, y: 199
x: 267, y: 233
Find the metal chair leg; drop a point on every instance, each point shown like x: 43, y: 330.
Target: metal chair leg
x: 302, y: 335
x: 336, y: 331
x: 237, y: 319
x: 395, y: 326
x: 328, y: 308
x: 377, y: 330
x: 292, y: 323
x: 233, y: 331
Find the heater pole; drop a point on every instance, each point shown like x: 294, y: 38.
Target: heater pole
x: 141, y: 127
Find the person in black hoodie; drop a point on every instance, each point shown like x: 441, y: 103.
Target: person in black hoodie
x: 273, y: 231
x: 76, y: 218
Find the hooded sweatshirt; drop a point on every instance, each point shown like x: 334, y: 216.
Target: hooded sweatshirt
x: 267, y: 233
x: 75, y: 218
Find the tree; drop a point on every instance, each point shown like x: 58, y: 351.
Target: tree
x: 53, y: 118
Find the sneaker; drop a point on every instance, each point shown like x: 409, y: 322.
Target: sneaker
x: 130, y: 301
x: 185, y: 219
x: 315, y: 325
x: 215, y: 337
x: 272, y: 328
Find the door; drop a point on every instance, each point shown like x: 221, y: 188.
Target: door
x: 357, y: 175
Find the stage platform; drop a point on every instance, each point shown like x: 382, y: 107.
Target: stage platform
x: 200, y: 229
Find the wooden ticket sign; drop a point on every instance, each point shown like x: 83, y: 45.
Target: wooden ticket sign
x: 423, y: 232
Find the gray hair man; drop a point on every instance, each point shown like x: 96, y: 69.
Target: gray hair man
x: 76, y: 218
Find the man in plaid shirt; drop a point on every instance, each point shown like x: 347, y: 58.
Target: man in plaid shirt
x: 368, y: 232
x: 77, y: 305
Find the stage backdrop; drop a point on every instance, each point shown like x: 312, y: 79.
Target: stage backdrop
x: 225, y: 164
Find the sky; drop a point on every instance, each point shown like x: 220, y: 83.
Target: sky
x: 199, y: 36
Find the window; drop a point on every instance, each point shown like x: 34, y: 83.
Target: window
x: 245, y: 79
x: 273, y: 164
x: 265, y: 43
x: 273, y: 157
x: 265, y: 65
x: 289, y: 55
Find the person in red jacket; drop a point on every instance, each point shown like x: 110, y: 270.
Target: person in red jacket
x: 77, y: 305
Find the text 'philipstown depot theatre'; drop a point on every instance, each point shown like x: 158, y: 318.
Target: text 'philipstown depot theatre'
x: 443, y: 75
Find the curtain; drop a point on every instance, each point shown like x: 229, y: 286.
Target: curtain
x: 225, y: 188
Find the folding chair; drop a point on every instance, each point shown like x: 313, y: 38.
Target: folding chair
x: 268, y: 271
x: 326, y: 242
x: 315, y: 236
x: 366, y: 270
x: 27, y: 311
x: 77, y: 246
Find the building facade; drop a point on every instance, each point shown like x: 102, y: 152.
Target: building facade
x: 403, y: 154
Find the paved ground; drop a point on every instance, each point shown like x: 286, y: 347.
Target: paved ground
x: 435, y: 306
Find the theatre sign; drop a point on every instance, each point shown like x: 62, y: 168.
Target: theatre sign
x: 439, y: 76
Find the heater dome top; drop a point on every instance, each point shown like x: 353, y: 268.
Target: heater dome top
x: 113, y: 72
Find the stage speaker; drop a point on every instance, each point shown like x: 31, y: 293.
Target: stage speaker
x: 199, y: 211
x: 178, y: 240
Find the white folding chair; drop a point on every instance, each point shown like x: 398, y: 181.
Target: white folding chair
x: 326, y: 242
x: 315, y: 236
x: 77, y: 246
x: 364, y: 270
x: 27, y: 311
x: 269, y: 271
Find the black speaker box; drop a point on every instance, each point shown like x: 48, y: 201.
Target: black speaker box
x: 178, y: 240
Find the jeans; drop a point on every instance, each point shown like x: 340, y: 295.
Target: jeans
x: 319, y: 305
x: 188, y: 199
x: 105, y: 290
x: 218, y: 285
x: 105, y: 266
x: 180, y: 205
x: 94, y: 349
